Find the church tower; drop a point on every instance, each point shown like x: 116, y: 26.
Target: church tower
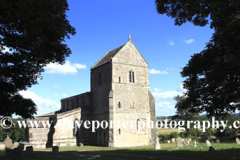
x: 120, y: 91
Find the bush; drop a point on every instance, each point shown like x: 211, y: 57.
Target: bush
x: 163, y: 138
x: 174, y: 135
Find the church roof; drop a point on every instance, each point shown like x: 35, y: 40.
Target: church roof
x: 106, y: 58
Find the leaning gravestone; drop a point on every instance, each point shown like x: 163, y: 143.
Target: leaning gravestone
x: 237, y: 140
x: 55, y: 149
x: 8, y: 143
x: 81, y: 145
x: 179, y: 142
x: 173, y: 140
x: 208, y: 143
x: 29, y: 149
x: 157, y: 145
x: 186, y: 143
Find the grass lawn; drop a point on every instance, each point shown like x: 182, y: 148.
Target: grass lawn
x: 224, y: 151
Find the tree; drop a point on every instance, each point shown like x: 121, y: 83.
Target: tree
x: 33, y: 32
x: 212, y: 76
x: 228, y: 133
x: 184, y: 114
x: 14, y: 132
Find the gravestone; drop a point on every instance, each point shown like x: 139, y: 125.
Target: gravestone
x: 208, y: 143
x: 186, y: 143
x: 8, y: 143
x: 29, y: 149
x: 81, y: 144
x: 173, y: 140
x: 211, y: 149
x: 195, y: 144
x: 21, y: 146
x: 218, y: 140
x: 189, y: 139
x: 179, y: 142
x: 157, y: 145
x: 237, y: 140
x: 55, y: 149
x: 168, y: 141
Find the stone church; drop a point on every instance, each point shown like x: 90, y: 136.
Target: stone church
x: 119, y: 90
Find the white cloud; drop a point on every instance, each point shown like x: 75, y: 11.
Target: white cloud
x: 55, y: 68
x: 165, y: 105
x: 189, y: 41
x: 171, y: 43
x: 56, y: 85
x: 181, y: 89
x: 64, y: 95
x: 43, y: 105
x: 157, y: 90
x: 153, y: 71
x: 166, y: 95
x: 169, y: 68
x: 55, y: 94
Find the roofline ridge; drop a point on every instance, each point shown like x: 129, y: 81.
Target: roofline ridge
x: 100, y: 59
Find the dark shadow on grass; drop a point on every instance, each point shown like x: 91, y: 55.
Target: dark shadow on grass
x: 136, y: 154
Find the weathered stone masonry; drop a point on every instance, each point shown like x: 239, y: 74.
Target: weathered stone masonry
x: 119, y: 91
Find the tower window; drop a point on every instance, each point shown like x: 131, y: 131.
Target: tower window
x: 119, y: 79
x: 131, y: 77
x: 119, y: 104
x: 137, y: 124
x: 119, y: 131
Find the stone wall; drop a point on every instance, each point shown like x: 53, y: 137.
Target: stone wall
x: 130, y: 99
x: 100, y: 101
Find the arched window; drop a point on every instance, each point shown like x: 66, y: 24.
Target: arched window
x: 137, y: 124
x: 119, y: 79
x: 119, y: 104
x: 119, y: 131
x: 131, y: 77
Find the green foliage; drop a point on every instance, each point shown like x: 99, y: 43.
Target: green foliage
x: 228, y: 133
x: 212, y: 76
x: 164, y: 137
x: 15, y: 133
x: 174, y: 135
x: 34, y: 32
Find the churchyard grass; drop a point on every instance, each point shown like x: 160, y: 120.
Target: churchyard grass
x: 225, y: 150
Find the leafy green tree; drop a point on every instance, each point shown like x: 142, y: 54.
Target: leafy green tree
x: 212, y: 76
x: 184, y: 114
x: 14, y: 132
x: 34, y: 32
x: 228, y: 133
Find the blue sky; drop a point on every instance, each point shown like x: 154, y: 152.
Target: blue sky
x: 105, y: 25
